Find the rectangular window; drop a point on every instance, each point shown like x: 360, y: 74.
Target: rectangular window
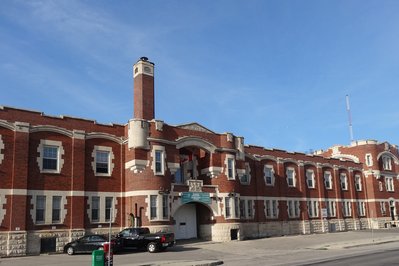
x: 310, y: 178
x: 358, y: 183
x: 230, y: 168
x: 387, y: 162
x: 227, y: 207
x: 250, y: 214
x: 56, y: 213
x: 296, y: 209
x: 271, y: 208
x: 102, y: 162
x: 268, y: 170
x: 108, y: 208
x: 245, y: 177
x: 274, y: 208
x: 95, y: 204
x: 158, y: 162
x: 368, y: 160
x: 153, y: 206
x: 328, y: 180
x: 389, y: 184
x: 361, y: 208
x: 291, y: 177
x: 383, y: 208
x: 344, y: 182
x: 331, y: 209
x: 347, y: 208
x: 313, y: 208
x: 290, y: 208
x: 50, y: 157
x: 40, y: 209
x: 242, y: 209
x: 236, y: 207
x: 165, y: 206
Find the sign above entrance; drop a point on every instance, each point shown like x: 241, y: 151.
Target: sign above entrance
x: 203, y: 197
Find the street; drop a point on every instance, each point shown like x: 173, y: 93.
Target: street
x: 345, y: 248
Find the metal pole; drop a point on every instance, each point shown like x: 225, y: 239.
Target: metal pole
x: 109, y: 237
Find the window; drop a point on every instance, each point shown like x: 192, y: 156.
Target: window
x: 153, y: 207
x: 158, y: 162
x: 380, y: 187
x: 313, y: 208
x: 331, y: 208
x: 358, y: 183
x: 227, y: 207
x: 328, y: 179
x: 269, y: 175
x: 344, y: 181
x: 383, y: 208
x: 56, y: 214
x: 293, y: 208
x: 95, y: 204
x: 165, y: 206
x: 387, y: 162
x: 245, y: 178
x: 242, y: 209
x: 347, y: 208
x: 361, y: 208
x: 108, y: 208
x: 250, y: 211
x: 1, y: 154
x: 40, y: 209
x: 310, y: 180
x: 271, y: 208
x: 290, y: 177
x: 230, y: 168
x: 369, y: 159
x: 389, y: 183
x: 50, y: 157
x: 158, y: 159
x: 102, y: 161
x: 236, y: 207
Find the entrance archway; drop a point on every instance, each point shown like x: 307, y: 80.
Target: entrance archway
x: 193, y: 220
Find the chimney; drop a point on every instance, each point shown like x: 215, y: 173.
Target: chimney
x: 143, y: 89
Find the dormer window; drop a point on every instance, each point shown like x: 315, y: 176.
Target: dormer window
x: 387, y: 163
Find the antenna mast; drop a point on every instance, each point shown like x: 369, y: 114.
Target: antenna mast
x: 348, y: 109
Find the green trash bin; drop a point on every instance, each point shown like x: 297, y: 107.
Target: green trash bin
x: 97, y: 258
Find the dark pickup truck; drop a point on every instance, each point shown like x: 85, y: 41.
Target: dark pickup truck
x: 141, y: 238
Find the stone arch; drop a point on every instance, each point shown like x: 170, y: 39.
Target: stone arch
x: 55, y: 129
x: 195, y: 141
x: 390, y: 154
x: 346, y: 156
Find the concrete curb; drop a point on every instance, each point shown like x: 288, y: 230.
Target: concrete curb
x: 181, y: 263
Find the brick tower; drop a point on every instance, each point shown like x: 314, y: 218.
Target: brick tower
x: 143, y: 75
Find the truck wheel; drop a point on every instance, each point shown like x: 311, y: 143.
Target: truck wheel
x: 152, y: 247
x: 70, y: 251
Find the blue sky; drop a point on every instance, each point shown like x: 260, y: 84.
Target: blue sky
x: 275, y: 72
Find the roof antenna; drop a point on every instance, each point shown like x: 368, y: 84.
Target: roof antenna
x: 348, y: 109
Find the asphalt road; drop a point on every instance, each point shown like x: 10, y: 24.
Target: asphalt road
x: 346, y: 248
x: 381, y: 258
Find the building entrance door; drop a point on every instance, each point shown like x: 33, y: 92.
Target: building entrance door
x: 186, y: 222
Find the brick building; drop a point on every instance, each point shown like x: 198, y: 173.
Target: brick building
x: 62, y: 177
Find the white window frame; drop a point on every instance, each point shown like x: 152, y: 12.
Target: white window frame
x: 271, y: 208
x: 161, y: 150
x: 111, y: 158
x: 60, y: 152
x: 245, y: 173
x: 231, y: 207
x: 1, y: 153
x: 328, y: 179
x: 358, y: 183
x: 108, y: 209
x: 288, y: 170
x: 383, y: 208
x: 48, y: 207
x: 153, y: 207
x: 313, y: 208
x: 101, y: 213
x: 361, y: 208
x: 331, y: 207
x: 165, y: 207
x: 389, y: 184
x: 346, y: 208
x: 159, y: 206
x: 266, y: 168
x: 293, y: 209
x: 343, y: 181
x: 310, y: 177
x: 369, y: 159
x: 43, y: 208
x: 230, y: 158
x: 387, y: 162
x: 56, y: 208
x: 98, y: 200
